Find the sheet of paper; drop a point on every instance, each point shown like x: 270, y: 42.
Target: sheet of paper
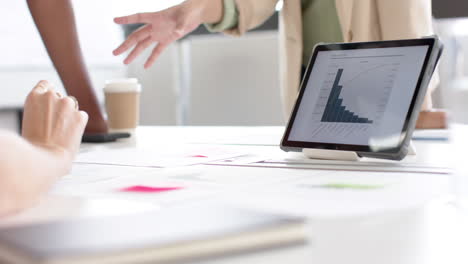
x: 344, y: 186
x: 316, y: 193
x: 106, y: 181
x: 385, y: 166
x: 89, y: 174
x: 236, y: 178
x: 170, y: 156
x: 297, y: 161
x: 305, y: 195
x: 349, y: 168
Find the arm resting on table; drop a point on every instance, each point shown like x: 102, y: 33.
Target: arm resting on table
x: 56, y: 24
x: 27, y: 171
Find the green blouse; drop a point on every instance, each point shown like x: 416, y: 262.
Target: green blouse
x: 319, y: 24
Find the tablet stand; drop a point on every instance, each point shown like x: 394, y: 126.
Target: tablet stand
x: 411, y: 149
x: 329, y: 154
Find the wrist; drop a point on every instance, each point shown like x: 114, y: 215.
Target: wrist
x: 206, y: 11
x: 62, y: 156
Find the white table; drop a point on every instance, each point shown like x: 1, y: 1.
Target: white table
x: 427, y: 231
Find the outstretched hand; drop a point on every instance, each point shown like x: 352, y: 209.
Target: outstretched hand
x: 164, y: 27
x: 161, y: 28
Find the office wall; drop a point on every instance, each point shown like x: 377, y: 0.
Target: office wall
x: 158, y: 98
x: 235, y: 81
x: 213, y: 80
x: 454, y: 62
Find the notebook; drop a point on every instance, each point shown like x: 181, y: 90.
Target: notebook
x: 178, y: 234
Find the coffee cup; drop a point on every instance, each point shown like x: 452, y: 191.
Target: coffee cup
x: 122, y: 98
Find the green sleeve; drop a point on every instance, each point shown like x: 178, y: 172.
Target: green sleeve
x: 229, y: 20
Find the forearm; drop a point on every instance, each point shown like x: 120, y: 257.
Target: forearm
x: 27, y: 171
x: 56, y: 24
x: 204, y: 11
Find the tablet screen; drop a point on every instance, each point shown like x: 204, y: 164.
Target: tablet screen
x: 358, y: 97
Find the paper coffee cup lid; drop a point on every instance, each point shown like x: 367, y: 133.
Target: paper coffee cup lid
x: 122, y: 85
x: 123, y: 80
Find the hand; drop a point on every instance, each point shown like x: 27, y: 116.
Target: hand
x: 166, y: 26
x: 162, y: 27
x: 52, y: 121
x: 434, y: 119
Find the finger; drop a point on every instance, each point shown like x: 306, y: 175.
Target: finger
x: 84, y: 118
x: 137, y: 36
x: 155, y: 54
x: 67, y: 105
x: 77, y: 106
x: 140, y: 47
x: 133, y: 19
x: 49, y: 88
x: 41, y: 87
x: 51, y: 93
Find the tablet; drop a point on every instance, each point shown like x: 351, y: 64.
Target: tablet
x: 362, y: 97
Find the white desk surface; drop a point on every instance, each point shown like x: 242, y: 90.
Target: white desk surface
x: 432, y: 229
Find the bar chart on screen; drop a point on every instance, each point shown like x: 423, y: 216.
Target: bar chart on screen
x: 355, y: 93
x: 335, y: 111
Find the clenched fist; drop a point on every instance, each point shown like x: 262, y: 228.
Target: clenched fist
x: 53, y: 121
